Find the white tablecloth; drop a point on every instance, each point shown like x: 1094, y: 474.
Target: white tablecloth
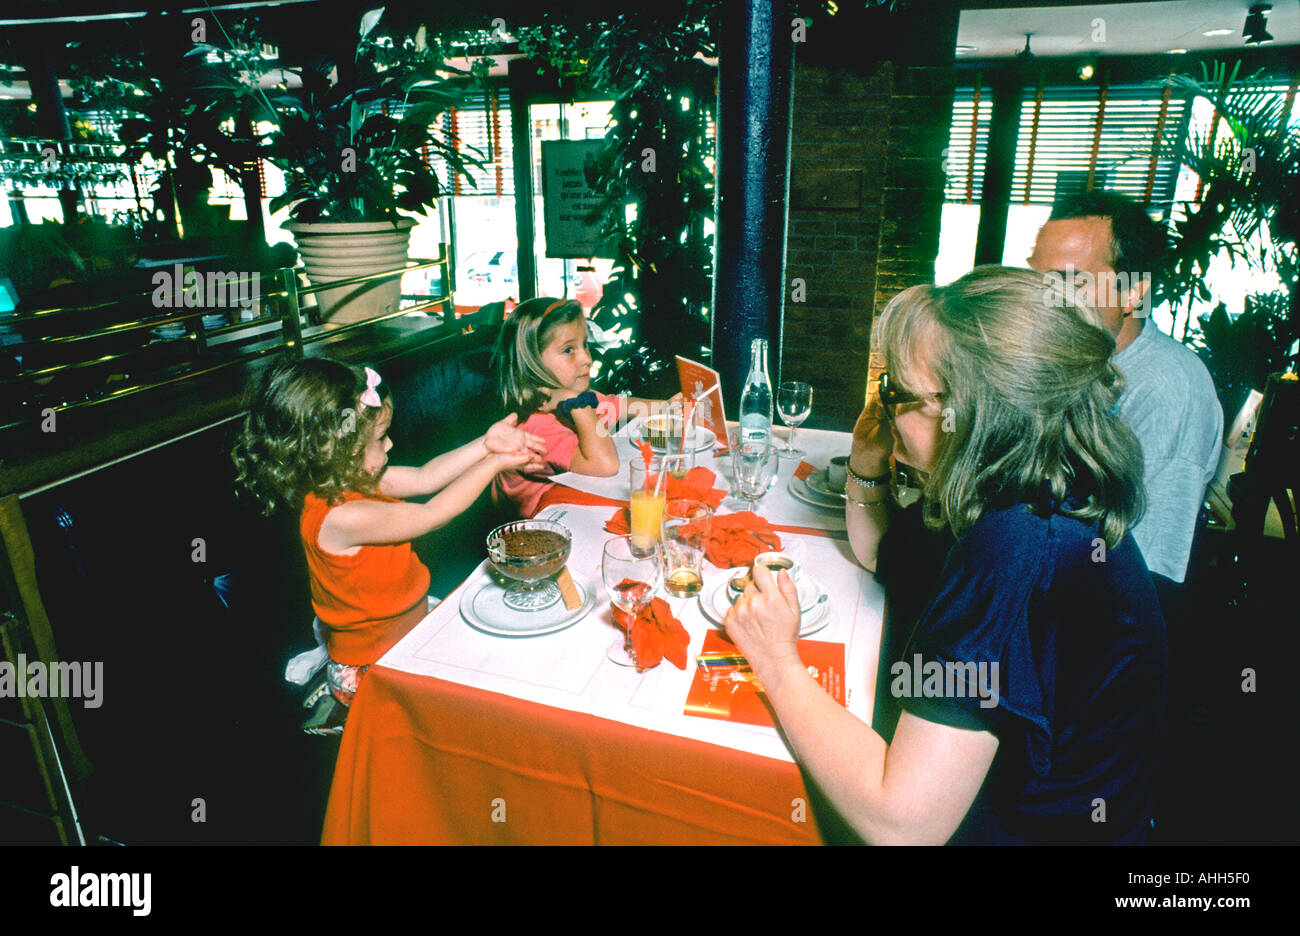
x: 569, y: 670
x: 778, y: 506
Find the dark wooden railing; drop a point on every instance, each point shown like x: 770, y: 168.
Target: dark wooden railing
x: 73, y: 411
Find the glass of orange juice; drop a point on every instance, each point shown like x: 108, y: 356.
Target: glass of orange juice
x: 646, y: 501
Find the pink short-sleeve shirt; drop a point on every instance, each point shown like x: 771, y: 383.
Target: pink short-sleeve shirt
x: 525, y: 490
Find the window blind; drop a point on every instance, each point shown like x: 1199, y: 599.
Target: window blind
x: 481, y: 128
x: 968, y: 139
x: 478, y: 128
x: 1108, y: 132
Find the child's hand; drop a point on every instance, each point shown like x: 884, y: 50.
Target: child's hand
x: 505, y: 437
x: 524, y: 461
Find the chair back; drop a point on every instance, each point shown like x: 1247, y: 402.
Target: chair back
x: 1273, y: 462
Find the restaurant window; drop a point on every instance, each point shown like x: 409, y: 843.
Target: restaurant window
x: 582, y: 279
x: 476, y: 218
x: 1069, y: 137
x: 964, y: 160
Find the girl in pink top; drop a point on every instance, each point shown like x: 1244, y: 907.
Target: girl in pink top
x: 544, y: 373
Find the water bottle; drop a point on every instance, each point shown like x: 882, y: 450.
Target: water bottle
x: 756, y: 397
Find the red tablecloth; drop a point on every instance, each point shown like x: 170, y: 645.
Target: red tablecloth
x: 428, y: 761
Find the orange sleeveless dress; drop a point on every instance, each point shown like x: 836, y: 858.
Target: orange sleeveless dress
x: 367, y: 601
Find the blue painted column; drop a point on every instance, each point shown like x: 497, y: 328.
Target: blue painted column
x: 755, y: 74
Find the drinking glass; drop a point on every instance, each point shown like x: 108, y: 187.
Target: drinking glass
x: 685, y: 534
x: 793, y: 404
x: 632, y: 573
x: 646, y: 497
x: 647, y: 493
x: 753, y: 463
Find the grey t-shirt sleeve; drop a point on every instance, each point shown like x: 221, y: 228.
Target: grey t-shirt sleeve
x: 1175, y: 489
x: 1171, y: 406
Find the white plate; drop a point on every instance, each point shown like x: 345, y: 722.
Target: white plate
x: 705, y: 440
x: 483, y: 606
x: 818, y: 484
x: 815, y: 617
x: 801, y: 492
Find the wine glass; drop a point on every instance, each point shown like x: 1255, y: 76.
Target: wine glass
x: 753, y: 463
x: 632, y: 572
x: 793, y: 404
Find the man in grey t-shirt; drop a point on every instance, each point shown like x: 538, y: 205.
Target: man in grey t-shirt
x: 1104, y: 243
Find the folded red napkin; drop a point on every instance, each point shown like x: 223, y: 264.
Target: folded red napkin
x: 803, y: 470
x: 735, y: 539
x: 697, y: 485
x: 656, y: 634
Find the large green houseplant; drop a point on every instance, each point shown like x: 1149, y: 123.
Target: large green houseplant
x: 1248, y: 164
x: 356, y: 142
x: 653, y: 213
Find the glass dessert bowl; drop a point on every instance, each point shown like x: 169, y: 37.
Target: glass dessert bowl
x: 529, y: 553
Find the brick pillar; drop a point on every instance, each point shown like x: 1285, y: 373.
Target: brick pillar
x: 866, y: 201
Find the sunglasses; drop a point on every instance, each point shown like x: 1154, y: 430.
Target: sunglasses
x: 892, y: 395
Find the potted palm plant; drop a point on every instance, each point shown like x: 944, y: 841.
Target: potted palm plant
x: 357, y: 146
x: 1248, y: 164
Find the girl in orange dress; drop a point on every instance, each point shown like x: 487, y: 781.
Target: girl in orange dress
x: 316, y: 440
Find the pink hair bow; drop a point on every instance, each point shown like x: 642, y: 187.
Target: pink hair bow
x: 370, y: 397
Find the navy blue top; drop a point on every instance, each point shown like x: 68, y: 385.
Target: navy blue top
x: 1082, y: 665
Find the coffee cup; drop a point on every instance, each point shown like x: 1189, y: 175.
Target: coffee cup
x: 774, y: 562
x: 837, y: 473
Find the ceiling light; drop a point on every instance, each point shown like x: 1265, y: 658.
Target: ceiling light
x: 1087, y: 69
x: 1255, y: 31
x: 1217, y: 32
x: 1176, y: 52
x: 1024, y: 55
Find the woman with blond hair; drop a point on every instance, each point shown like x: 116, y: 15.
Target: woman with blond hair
x: 1032, y: 686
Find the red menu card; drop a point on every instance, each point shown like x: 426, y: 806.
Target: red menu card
x: 732, y: 695
x: 696, y: 378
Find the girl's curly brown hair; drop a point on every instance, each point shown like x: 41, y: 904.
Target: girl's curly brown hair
x: 304, y: 433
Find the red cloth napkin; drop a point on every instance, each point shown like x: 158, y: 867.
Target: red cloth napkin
x: 697, y: 485
x: 803, y: 470
x: 734, y: 539
x: 656, y: 634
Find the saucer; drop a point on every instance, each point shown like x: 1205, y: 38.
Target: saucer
x: 800, y: 491
x: 703, y: 439
x: 816, y: 614
x: 484, y: 608
x: 819, y: 484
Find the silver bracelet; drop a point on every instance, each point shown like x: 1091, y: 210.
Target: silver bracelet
x: 858, y: 503
x: 868, y: 482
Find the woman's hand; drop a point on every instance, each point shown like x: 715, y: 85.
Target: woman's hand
x: 873, y: 439
x: 764, y: 623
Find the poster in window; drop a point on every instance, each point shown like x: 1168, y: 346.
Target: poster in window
x: 571, y: 210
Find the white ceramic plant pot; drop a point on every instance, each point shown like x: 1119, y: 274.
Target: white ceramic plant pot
x: 335, y: 250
